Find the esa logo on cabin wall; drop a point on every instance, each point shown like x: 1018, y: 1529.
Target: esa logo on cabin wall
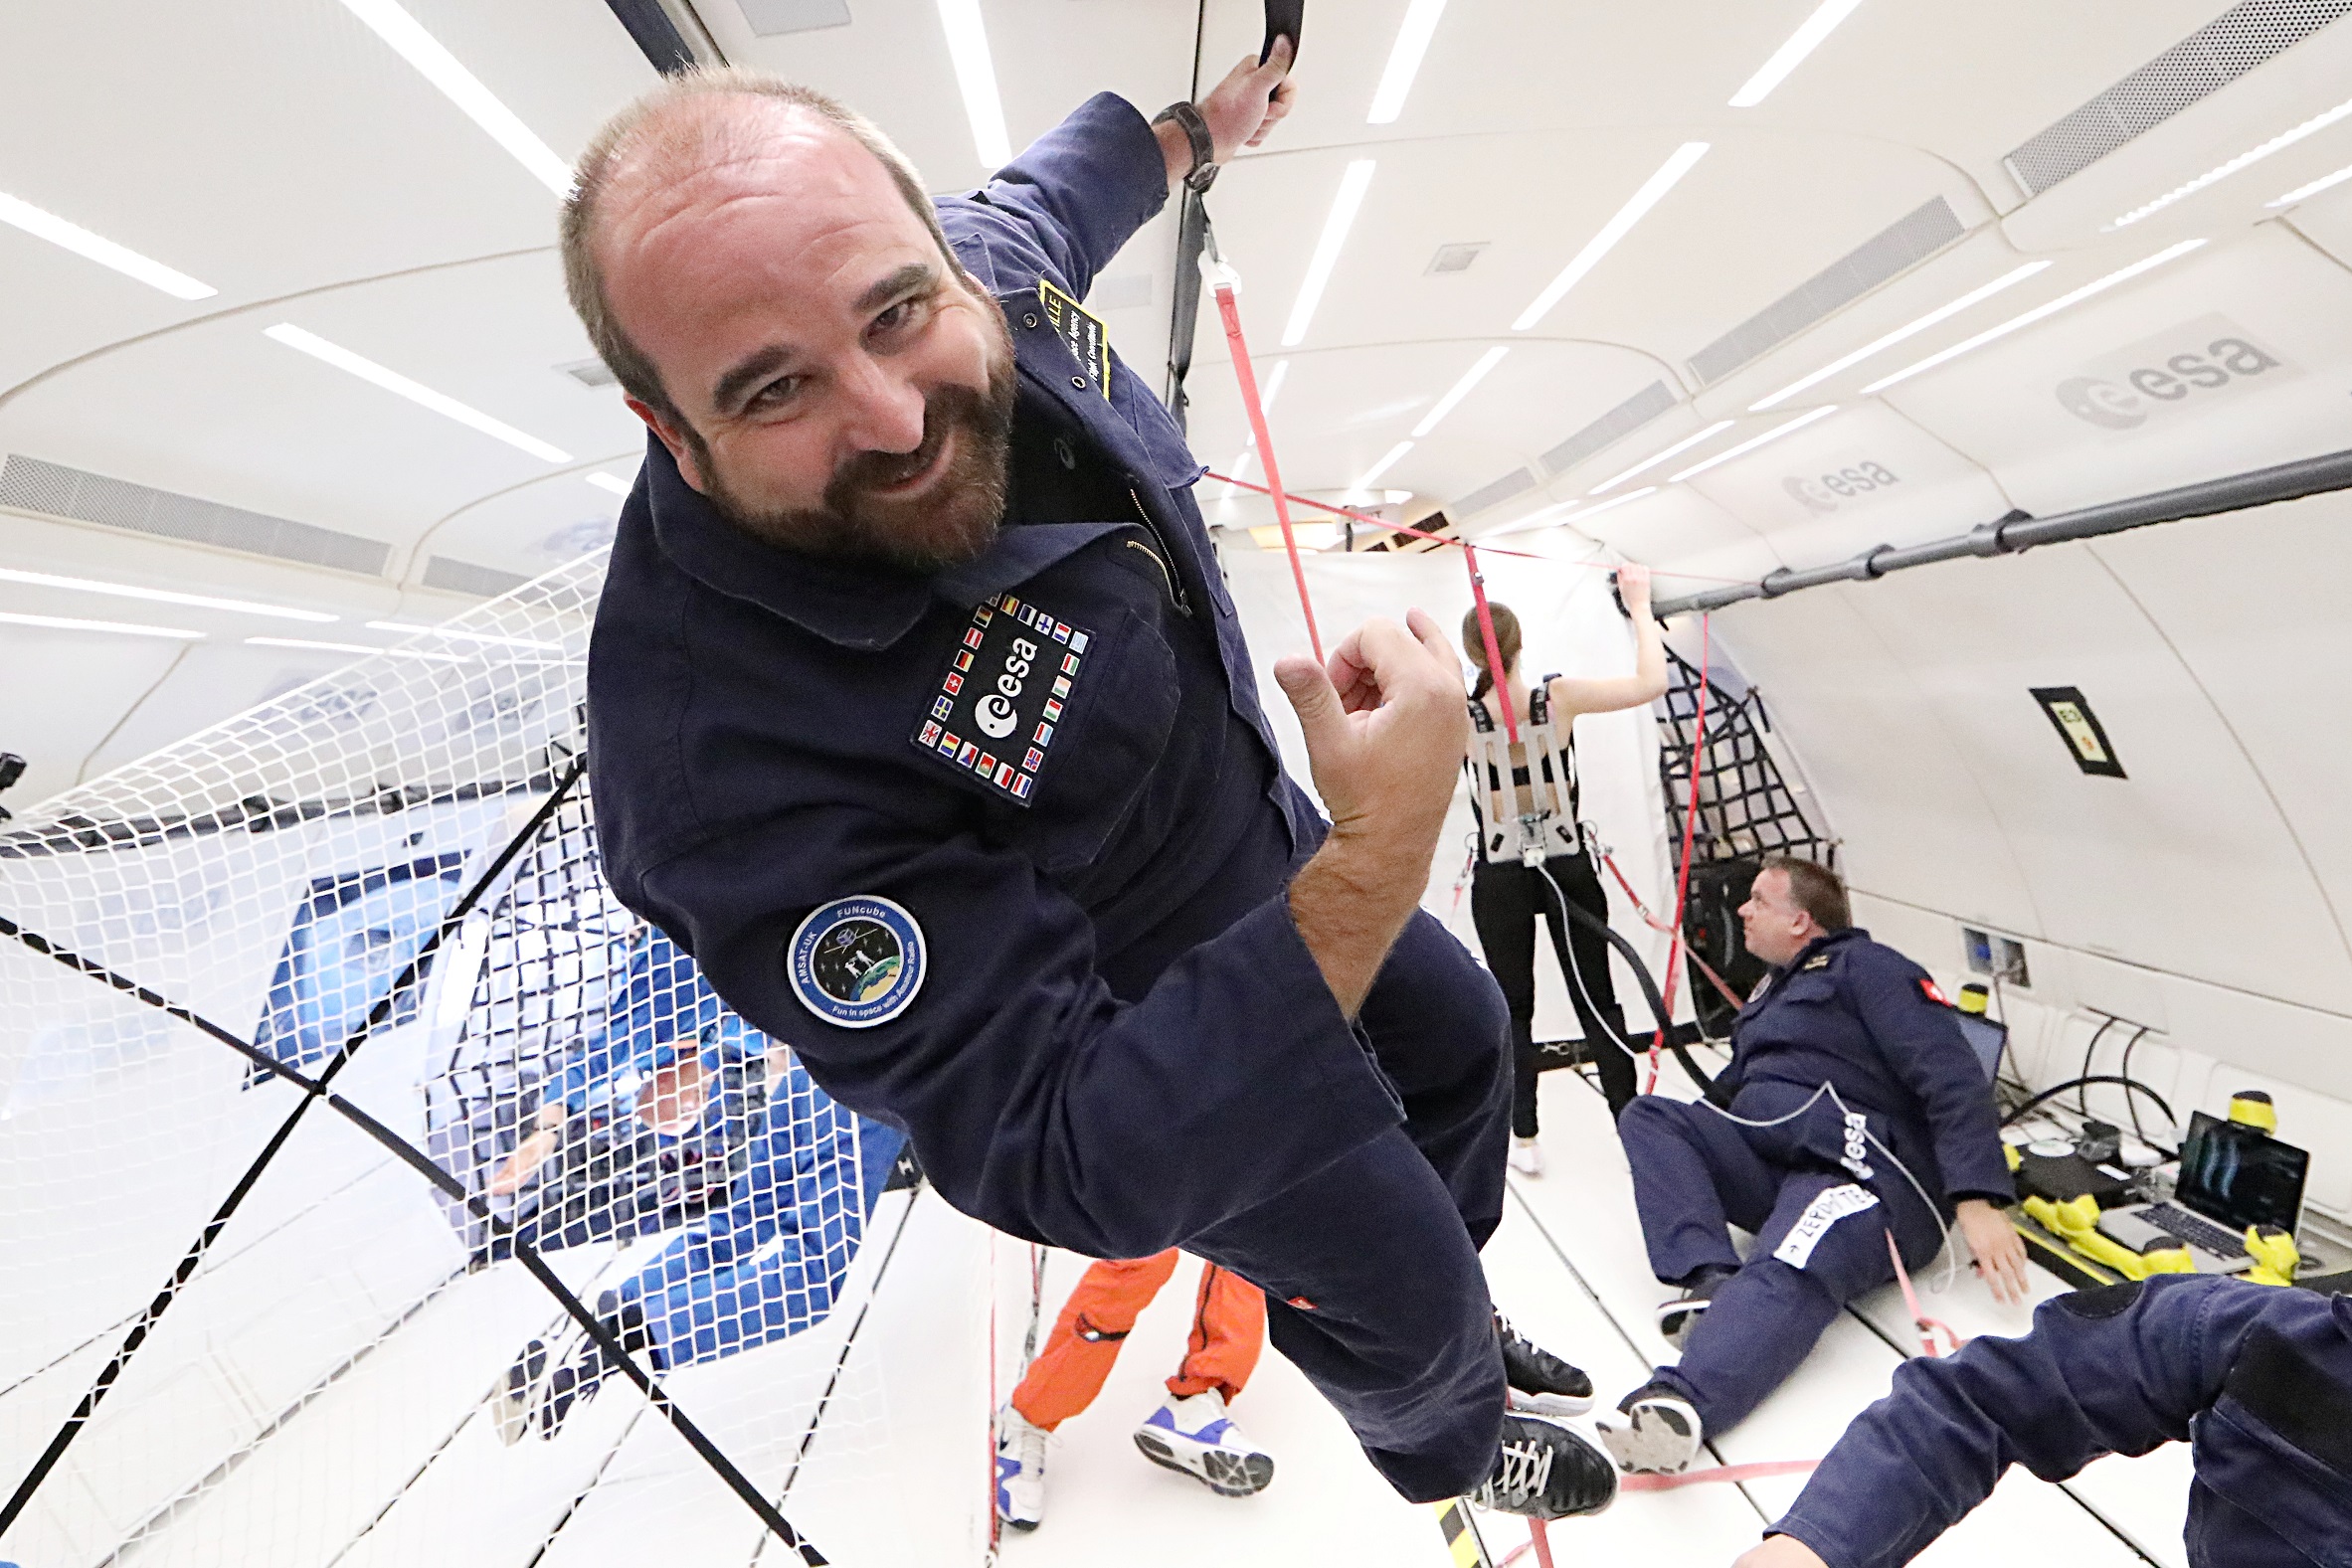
x: 2186, y: 366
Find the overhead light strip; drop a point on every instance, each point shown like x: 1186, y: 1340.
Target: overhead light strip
x: 1460, y: 389
x: 1806, y: 38
x: 1979, y: 295
x: 413, y: 630
x: 392, y: 381
x: 1344, y: 202
x: 1548, y: 518
x: 607, y: 482
x: 160, y: 596
x: 2285, y: 140
x: 1362, y: 490
x: 121, y: 628
x: 42, y: 225
x: 1752, y: 442
x: 355, y: 648
x: 976, y: 75
x: 2305, y: 192
x: 1405, y: 60
x: 1652, y: 192
x: 1657, y: 458
x: 460, y: 86
x: 2052, y: 307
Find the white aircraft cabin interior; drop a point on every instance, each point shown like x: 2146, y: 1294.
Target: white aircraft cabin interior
x: 1973, y: 382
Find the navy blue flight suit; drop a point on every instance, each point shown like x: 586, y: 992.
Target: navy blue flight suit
x: 2257, y: 1379
x: 1068, y: 972
x: 1817, y: 1193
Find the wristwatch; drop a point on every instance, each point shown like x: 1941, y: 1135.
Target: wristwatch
x: 1203, y: 172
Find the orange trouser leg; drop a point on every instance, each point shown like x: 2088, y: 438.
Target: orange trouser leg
x: 1228, y: 1331
x: 1069, y: 1371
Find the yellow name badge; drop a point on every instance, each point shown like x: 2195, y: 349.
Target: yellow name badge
x: 1082, y: 332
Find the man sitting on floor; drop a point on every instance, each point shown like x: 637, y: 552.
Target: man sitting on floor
x: 1849, y: 1081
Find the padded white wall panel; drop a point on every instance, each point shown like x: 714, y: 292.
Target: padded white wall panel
x: 2001, y: 403
x: 1916, y: 823
x: 2253, y: 606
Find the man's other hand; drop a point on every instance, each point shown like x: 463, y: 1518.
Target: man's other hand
x: 1999, y: 1251
x: 1250, y: 101
x: 1386, y: 725
x: 1780, y: 1551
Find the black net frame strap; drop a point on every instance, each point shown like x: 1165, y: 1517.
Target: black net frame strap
x: 318, y: 1089
x: 1746, y: 809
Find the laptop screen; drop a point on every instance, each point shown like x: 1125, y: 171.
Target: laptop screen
x: 2240, y: 1175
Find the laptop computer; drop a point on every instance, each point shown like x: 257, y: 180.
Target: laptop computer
x: 2230, y: 1176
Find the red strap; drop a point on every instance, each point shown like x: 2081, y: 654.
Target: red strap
x: 1682, y: 885
x: 1732, y: 1473
x: 1230, y: 309
x: 1928, y: 1326
x: 1486, y: 631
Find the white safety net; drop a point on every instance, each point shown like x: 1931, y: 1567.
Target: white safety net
x: 386, y: 882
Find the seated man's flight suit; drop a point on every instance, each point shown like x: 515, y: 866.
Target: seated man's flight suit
x: 1817, y: 1193
x: 2255, y: 1378
x: 1005, y: 850
x: 1228, y: 1333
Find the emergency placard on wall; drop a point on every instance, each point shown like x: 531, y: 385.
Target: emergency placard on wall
x: 2079, y: 727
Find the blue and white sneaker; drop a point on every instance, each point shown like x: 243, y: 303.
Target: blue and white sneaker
x: 1020, y: 1471
x: 1195, y: 1436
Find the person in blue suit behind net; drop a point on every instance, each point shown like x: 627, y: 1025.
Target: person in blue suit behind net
x: 765, y: 1265
x: 2255, y: 1378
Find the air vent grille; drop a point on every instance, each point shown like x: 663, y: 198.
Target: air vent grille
x: 591, y: 373
x: 51, y: 488
x: 2200, y: 64
x: 1893, y: 251
x: 1612, y: 427
x: 464, y: 577
x: 1518, y: 481
x: 1455, y: 258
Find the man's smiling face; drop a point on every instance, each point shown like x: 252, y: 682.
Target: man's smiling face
x: 837, y: 386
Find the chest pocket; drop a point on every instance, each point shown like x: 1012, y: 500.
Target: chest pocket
x: 1115, y: 730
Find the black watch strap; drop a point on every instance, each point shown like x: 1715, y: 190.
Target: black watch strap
x: 1203, y: 172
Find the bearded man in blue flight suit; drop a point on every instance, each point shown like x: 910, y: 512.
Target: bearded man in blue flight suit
x: 1846, y: 1073
x: 922, y: 719
x: 2255, y: 1378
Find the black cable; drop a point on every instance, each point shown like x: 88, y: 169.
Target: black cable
x: 2082, y: 1094
x: 2092, y: 1078
x: 1650, y: 994
x: 2123, y: 1070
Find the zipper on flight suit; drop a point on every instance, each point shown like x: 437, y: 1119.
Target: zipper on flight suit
x: 1160, y: 558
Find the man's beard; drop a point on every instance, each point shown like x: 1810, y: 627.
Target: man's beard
x: 953, y: 519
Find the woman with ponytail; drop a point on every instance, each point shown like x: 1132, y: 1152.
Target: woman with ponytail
x: 1505, y: 897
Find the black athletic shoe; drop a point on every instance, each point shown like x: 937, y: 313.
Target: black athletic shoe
x: 1548, y: 1469
x: 1654, y: 1430
x: 1676, y: 1319
x: 1541, y: 1383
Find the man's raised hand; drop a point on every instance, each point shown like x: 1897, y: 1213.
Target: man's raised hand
x: 1386, y: 725
x: 1250, y: 101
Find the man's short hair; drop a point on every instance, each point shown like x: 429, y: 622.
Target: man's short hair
x: 1815, y: 889
x: 626, y: 132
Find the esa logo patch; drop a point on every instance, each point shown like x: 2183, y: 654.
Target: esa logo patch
x: 1001, y: 700
x: 857, y: 962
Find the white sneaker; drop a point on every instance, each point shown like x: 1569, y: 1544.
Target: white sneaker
x: 1526, y: 1156
x: 1654, y: 1431
x: 1196, y: 1437
x: 1020, y: 1469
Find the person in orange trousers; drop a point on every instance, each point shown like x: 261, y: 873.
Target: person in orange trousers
x: 1189, y: 1431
